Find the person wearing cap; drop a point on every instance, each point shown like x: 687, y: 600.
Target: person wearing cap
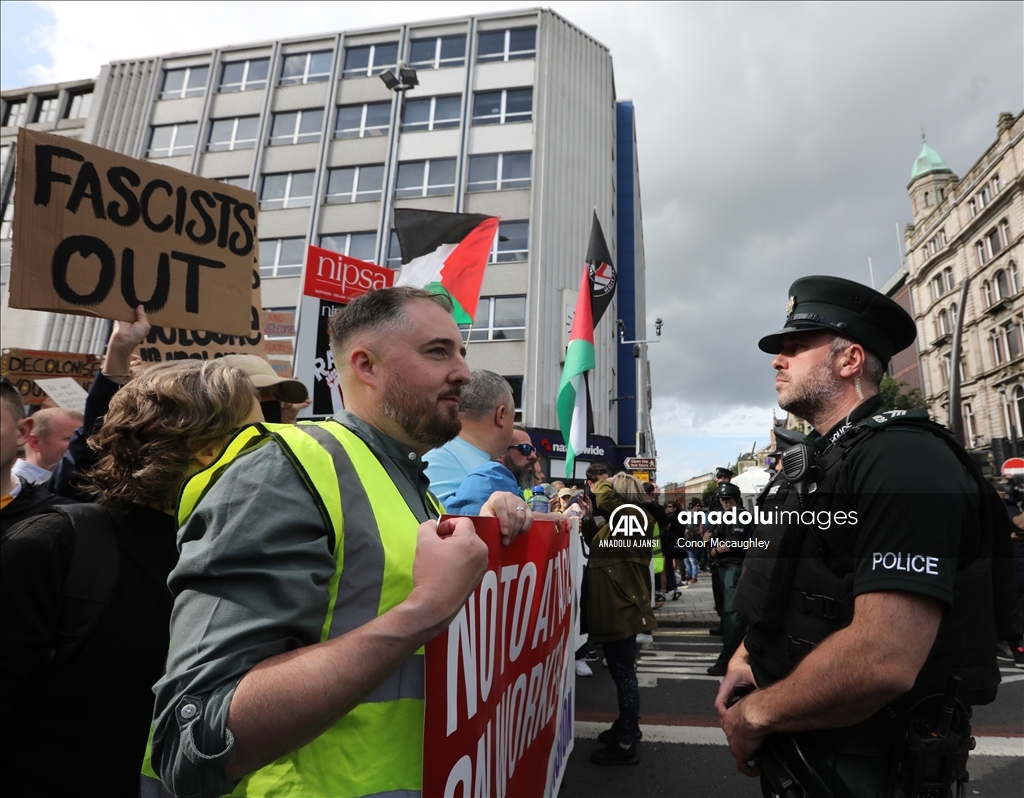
x: 884, y: 593
x: 723, y: 476
x: 281, y: 398
x: 729, y: 559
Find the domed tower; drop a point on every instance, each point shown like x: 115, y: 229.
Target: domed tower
x: 928, y: 182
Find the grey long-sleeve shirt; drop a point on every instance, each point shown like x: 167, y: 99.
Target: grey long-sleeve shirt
x: 251, y: 583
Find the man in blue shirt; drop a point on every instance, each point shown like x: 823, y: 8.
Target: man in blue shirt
x: 513, y: 473
x: 487, y: 411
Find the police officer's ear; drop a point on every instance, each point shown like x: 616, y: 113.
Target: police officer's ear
x: 850, y: 362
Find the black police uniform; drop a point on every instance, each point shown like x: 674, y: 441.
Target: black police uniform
x: 892, y: 505
x: 729, y: 565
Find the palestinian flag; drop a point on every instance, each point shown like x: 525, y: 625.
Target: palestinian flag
x: 597, y: 287
x: 446, y: 252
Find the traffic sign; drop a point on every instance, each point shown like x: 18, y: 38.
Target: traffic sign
x: 643, y: 476
x: 1013, y: 467
x: 640, y: 463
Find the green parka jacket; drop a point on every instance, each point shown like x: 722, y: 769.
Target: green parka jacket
x: 620, y: 579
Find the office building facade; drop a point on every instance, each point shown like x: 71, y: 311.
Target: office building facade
x: 514, y: 115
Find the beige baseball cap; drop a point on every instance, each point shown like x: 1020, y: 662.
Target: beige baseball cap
x: 263, y: 375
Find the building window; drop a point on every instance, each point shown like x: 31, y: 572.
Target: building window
x: 973, y: 206
x: 167, y: 141
x: 282, y: 257
x: 79, y: 106
x: 993, y: 243
x: 290, y: 190
x: 942, y: 323
x: 306, y: 68
x: 241, y: 181
x: 432, y: 113
x: 233, y: 134
x: 500, y: 171
x: 7, y: 224
x: 361, y: 246
x: 5, y: 153
x: 394, y: 259
x: 244, y: 75
x: 369, y: 59
x: 1011, y: 336
x: 187, y: 82
x: 512, y: 242
x: 1011, y: 269
x: 296, y: 127
x: 979, y: 250
x: 444, y: 51
x: 501, y: 107
x: 927, y: 199
x: 498, y: 318
x: 507, y: 45
x: 355, y: 184
x: 941, y: 238
x: 1018, y: 407
x: 998, y: 353
x: 1002, y: 284
x: 516, y: 384
x: 17, y: 114
x: 969, y: 431
x: 362, y: 121
x: 425, y: 178
x: 46, y: 109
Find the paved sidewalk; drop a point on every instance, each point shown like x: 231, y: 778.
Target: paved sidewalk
x: 695, y: 606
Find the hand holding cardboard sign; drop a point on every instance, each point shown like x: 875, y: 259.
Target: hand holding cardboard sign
x: 124, y: 339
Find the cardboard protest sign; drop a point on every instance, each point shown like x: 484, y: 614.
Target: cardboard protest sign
x: 339, y: 278
x: 65, y: 391
x: 24, y: 366
x: 499, y: 686
x: 278, y: 322
x: 97, y: 233
x: 169, y: 343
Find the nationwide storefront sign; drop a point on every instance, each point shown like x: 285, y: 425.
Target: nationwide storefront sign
x: 551, y: 444
x: 500, y: 682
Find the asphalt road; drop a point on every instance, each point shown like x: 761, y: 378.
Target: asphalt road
x: 684, y: 752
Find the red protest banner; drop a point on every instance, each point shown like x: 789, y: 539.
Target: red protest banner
x: 499, y: 705
x: 340, y: 278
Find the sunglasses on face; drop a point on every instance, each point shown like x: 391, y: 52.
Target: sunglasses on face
x: 525, y: 449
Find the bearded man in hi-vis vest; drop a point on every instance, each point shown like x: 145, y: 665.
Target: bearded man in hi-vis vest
x: 313, y: 571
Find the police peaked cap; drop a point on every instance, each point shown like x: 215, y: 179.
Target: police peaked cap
x: 848, y: 309
x: 729, y: 491
x: 723, y: 473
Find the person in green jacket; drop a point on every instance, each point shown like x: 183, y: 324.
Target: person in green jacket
x: 620, y: 603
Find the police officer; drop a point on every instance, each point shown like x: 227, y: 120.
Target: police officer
x: 723, y: 476
x: 728, y: 557
x: 886, y: 585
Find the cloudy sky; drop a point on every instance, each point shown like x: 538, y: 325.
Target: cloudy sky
x: 775, y: 141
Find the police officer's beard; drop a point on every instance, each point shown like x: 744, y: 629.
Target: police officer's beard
x: 422, y: 418
x: 815, y: 395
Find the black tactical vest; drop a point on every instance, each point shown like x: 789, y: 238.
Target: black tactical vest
x: 792, y: 599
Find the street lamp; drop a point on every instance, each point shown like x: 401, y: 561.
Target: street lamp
x: 641, y: 437
x: 404, y: 80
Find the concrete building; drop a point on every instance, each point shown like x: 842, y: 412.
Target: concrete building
x: 514, y: 115
x: 972, y: 229
x: 65, y: 109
